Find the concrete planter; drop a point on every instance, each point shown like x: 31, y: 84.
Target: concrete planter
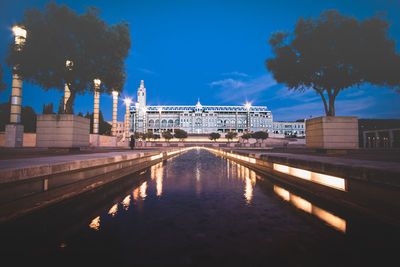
x: 62, y: 130
x: 332, y: 133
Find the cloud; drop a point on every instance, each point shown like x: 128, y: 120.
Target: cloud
x: 235, y: 73
x: 242, y: 89
x: 147, y: 71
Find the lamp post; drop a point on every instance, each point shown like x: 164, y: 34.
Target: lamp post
x: 248, y: 106
x: 97, y: 83
x: 159, y: 119
x: 15, y: 131
x: 67, y: 93
x: 127, y: 104
x: 115, y: 108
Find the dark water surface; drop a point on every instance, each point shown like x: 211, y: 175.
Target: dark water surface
x: 198, y: 209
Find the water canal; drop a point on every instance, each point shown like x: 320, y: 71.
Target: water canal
x: 198, y: 209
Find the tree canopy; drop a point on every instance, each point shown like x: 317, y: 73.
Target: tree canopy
x: 167, y: 135
x: 55, y: 35
x: 230, y: 135
x: 180, y: 134
x: 334, y: 52
x: 214, y: 136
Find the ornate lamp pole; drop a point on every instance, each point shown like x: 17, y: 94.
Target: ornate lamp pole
x: 97, y: 83
x: 67, y: 93
x: 127, y: 103
x: 15, y: 130
x: 248, y: 106
x: 159, y: 119
x: 115, y: 108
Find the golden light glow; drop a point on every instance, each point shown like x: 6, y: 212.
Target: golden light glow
x: 19, y: 32
x: 159, y: 179
x: 97, y: 82
x: 127, y: 101
x: 142, y: 190
x: 69, y: 64
x: 301, y: 203
x: 113, y: 210
x: 327, y: 180
x: 248, y: 191
x: 331, y: 219
x: 331, y: 181
x: 115, y: 93
x: 95, y: 224
x: 126, y: 202
x: 156, y: 156
x: 247, y: 105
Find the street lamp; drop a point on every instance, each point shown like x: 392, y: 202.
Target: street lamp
x: 115, y: 108
x: 128, y: 104
x: 97, y: 83
x: 67, y: 93
x: 248, y: 106
x: 159, y: 119
x: 14, y: 133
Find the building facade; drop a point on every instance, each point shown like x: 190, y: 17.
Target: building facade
x: 289, y: 128
x: 197, y: 119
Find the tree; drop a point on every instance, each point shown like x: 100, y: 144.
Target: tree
x: 180, y: 134
x: 335, y: 52
x: 214, y: 136
x: 104, y: 127
x: 260, y: 135
x: 56, y: 34
x: 167, y: 135
x: 48, y: 108
x: 149, y: 135
x: 246, y: 136
x: 3, y: 86
x: 230, y: 135
x: 28, y: 117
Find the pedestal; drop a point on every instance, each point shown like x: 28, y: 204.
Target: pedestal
x: 95, y: 140
x: 332, y: 133
x: 14, y: 135
x: 62, y: 130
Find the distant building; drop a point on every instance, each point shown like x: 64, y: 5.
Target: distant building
x: 199, y: 119
x: 289, y: 128
x: 120, y: 128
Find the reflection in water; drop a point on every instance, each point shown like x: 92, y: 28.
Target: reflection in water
x: 126, y: 202
x: 333, y: 220
x: 248, y: 191
x: 243, y: 173
x: 142, y: 190
x: 113, y: 211
x: 157, y: 172
x: 95, y: 224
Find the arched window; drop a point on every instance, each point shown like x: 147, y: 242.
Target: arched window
x: 170, y: 123
x: 157, y: 123
x: 176, y: 123
x: 164, y: 123
x: 151, y: 123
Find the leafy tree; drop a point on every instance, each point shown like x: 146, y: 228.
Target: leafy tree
x: 260, y: 135
x: 80, y: 114
x: 334, y: 52
x: 214, y: 136
x: 246, y: 136
x: 167, y: 135
x: 48, y: 108
x: 137, y: 135
x: 56, y: 34
x: 3, y: 86
x: 180, y: 134
x: 104, y: 127
x: 149, y: 135
x: 28, y: 117
x: 230, y: 135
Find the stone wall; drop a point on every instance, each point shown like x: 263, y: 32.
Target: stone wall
x: 104, y: 140
x: 28, y: 141
x: 63, y: 130
x: 332, y: 133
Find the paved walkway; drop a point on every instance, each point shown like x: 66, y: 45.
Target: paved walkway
x: 36, y: 158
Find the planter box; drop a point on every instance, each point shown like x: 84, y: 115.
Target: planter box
x: 62, y: 130
x: 332, y: 133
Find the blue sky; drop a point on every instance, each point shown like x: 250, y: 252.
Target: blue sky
x: 215, y: 51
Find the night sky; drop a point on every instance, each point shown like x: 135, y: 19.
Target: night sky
x: 212, y: 50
